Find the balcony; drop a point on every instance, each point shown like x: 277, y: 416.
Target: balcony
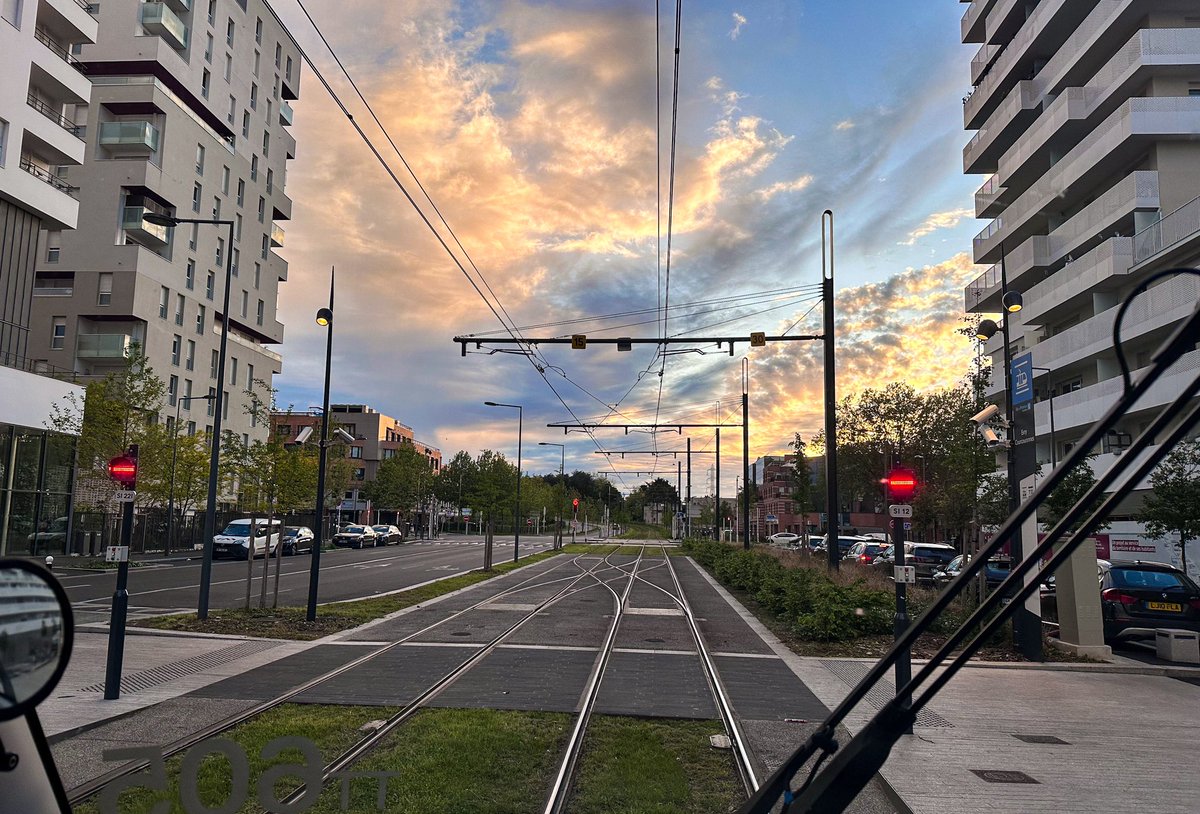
x: 1113, y: 210
x: 182, y: 6
x: 129, y: 137
x: 1177, y: 230
x: 148, y: 234
x: 56, y: 116
x: 286, y: 115
x: 276, y: 236
x: 972, y: 20
x: 987, y: 198
x: 982, y: 295
x: 158, y: 19
x: 59, y: 49
x: 1009, y: 121
x: 103, y: 346
x: 44, y: 175
x: 1102, y: 269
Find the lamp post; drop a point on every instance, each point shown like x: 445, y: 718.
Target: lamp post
x: 1027, y: 633
x: 1050, y: 398
x: 210, y: 510
x: 324, y: 319
x: 517, y: 511
x: 174, y: 457
x: 562, y: 487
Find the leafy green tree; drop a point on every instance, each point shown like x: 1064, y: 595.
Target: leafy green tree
x: 1173, y: 504
x: 802, y: 484
x: 399, y: 481
x: 993, y: 499
x: 1069, y: 492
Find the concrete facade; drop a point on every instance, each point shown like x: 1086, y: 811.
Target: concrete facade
x: 188, y: 117
x: 1086, y: 117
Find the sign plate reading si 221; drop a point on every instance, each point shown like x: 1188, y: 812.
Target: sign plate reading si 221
x: 125, y: 496
x: 900, y: 510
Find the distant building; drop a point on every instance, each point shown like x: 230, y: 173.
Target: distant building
x: 377, y: 438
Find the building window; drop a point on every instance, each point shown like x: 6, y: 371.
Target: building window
x: 164, y: 299
x: 104, y: 294
x: 224, y: 405
x: 245, y: 303
x: 288, y: 70
x: 241, y: 193
x: 224, y: 180
x: 284, y: 430
x: 197, y: 196
x: 269, y: 108
x: 257, y: 60
x: 262, y: 306
x: 245, y: 124
x: 237, y: 227
x: 262, y: 209
x: 212, y: 402
x: 216, y: 210
x: 266, y: 246
x: 278, y: 54
x: 258, y: 30
x: 254, y: 168
x: 356, y: 452
x: 215, y: 362
x: 176, y: 349
x: 194, y: 236
x: 212, y: 12
x: 205, y: 82
x: 250, y: 379
x: 208, y: 48
x: 360, y: 474
x: 229, y: 72
x: 200, y: 319
x: 191, y: 428
x: 270, y: 180
x: 220, y: 253
x: 210, y: 285
x: 237, y: 256
x: 172, y: 390
x: 233, y: 370
x: 257, y: 274
x: 179, y: 306
x: 190, y: 359
x: 266, y: 144
x: 229, y: 29
x: 253, y: 96
x: 189, y: 276
x: 58, y: 335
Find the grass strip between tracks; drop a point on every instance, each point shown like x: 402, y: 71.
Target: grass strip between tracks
x: 290, y: 622
x: 654, y: 766
x: 460, y: 760
x: 332, y: 728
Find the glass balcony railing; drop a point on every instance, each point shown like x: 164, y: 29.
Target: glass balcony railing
x: 129, y: 136
x: 158, y: 19
x: 103, y: 346
x: 276, y: 235
x: 133, y: 222
x: 286, y: 115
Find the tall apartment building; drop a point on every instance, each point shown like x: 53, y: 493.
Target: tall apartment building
x: 43, y: 95
x: 1087, y: 120
x: 377, y: 438
x: 188, y: 116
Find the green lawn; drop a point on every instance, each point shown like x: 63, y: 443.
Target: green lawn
x: 332, y: 728
x: 645, y: 531
x: 290, y: 622
x: 654, y: 766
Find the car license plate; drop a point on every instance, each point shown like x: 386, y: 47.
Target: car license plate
x: 1174, y: 607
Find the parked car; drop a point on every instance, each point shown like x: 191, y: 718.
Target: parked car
x: 785, y: 539
x: 235, y: 541
x: 356, y: 537
x: 1138, y: 597
x: 844, y: 543
x: 388, y: 534
x: 297, y: 540
x: 996, y: 570
x: 864, y: 552
x: 925, y: 557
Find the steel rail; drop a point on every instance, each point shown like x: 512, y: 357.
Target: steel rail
x: 91, y: 787
x: 366, y: 744
x: 561, y: 788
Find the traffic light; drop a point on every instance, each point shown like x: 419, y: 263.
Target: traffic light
x: 123, y: 469
x: 575, y: 504
x: 901, y: 484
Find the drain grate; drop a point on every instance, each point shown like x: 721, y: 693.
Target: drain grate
x: 1003, y: 776
x: 852, y: 672
x: 1041, y: 739
x: 161, y: 675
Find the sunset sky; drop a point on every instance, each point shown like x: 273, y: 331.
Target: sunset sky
x: 532, y: 125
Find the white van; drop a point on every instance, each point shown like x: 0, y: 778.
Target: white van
x: 234, y: 541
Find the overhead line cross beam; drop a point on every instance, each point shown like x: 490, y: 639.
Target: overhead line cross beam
x: 567, y: 426
x: 626, y: 341
x: 624, y: 452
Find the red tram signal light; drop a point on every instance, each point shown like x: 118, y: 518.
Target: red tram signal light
x: 901, y: 484
x: 123, y: 470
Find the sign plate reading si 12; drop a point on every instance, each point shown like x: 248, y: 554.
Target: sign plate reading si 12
x: 900, y: 510
x: 125, y: 496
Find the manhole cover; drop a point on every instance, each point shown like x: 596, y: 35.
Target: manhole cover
x: 1041, y: 739
x: 1002, y: 776
x: 461, y: 633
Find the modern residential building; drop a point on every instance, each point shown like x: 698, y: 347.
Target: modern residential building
x: 43, y: 98
x: 1086, y: 118
x: 377, y: 438
x: 188, y: 116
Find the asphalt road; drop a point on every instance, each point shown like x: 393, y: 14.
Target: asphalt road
x: 345, y: 574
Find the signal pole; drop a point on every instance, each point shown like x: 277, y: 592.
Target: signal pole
x: 122, y: 469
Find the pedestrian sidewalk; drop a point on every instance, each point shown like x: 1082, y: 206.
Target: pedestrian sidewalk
x: 1008, y: 738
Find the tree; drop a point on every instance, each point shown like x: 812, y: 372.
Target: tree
x: 802, y: 484
x: 399, y: 481
x: 1173, y: 504
x: 993, y: 499
x: 1069, y: 492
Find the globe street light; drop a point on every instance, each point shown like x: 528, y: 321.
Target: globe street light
x: 562, y: 485
x: 517, y: 513
x: 210, y: 511
x: 325, y: 320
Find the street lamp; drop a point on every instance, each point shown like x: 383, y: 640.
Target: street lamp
x: 174, y: 456
x: 210, y: 511
x: 1027, y: 633
x: 562, y: 486
x: 325, y: 320
x: 517, y: 513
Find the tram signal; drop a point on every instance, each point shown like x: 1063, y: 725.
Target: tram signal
x: 901, y: 484
x: 123, y: 469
